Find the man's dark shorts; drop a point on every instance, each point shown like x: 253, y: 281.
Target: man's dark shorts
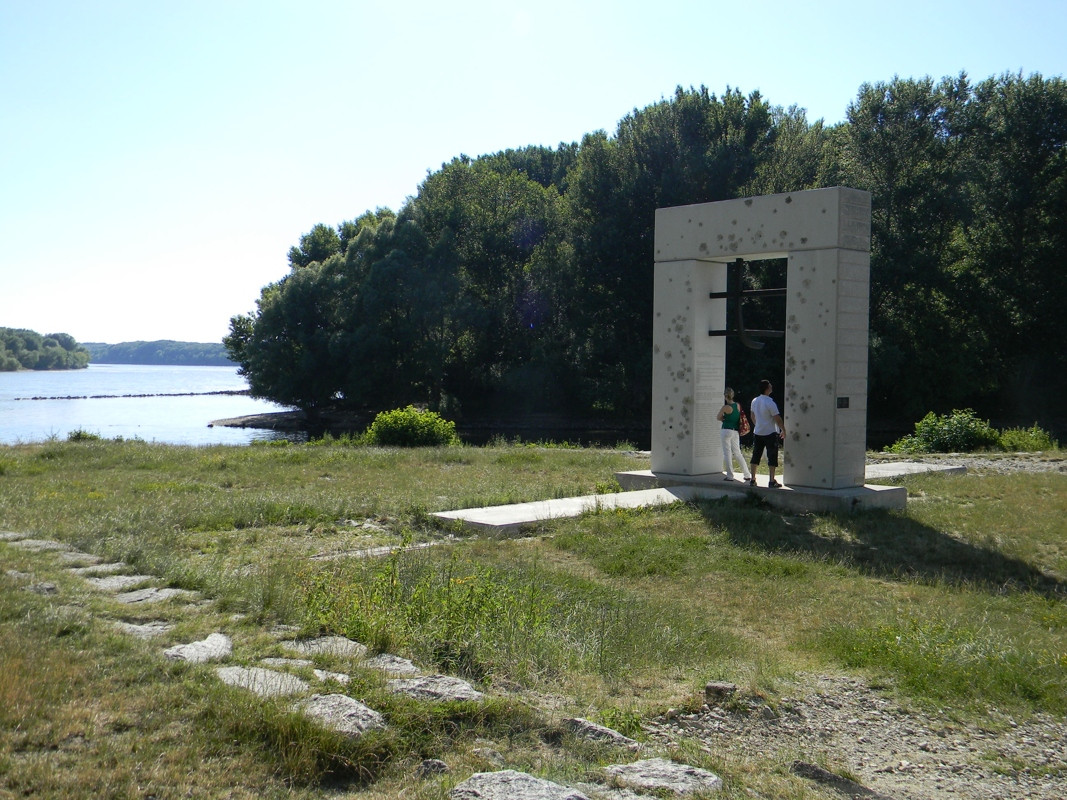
x: 770, y: 443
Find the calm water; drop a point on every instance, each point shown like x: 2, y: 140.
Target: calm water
x: 36, y: 406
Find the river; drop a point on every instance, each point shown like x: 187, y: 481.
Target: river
x: 172, y: 405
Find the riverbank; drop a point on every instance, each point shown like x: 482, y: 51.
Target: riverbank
x: 529, y: 427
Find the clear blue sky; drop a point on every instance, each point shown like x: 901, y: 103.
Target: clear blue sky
x: 158, y: 158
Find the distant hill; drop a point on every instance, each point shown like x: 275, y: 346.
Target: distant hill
x: 165, y: 351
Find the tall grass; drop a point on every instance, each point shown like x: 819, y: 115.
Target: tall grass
x: 523, y: 623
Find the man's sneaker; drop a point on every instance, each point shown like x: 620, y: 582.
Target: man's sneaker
x: 774, y: 485
x: 753, y: 481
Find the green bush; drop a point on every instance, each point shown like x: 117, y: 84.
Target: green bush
x: 1016, y: 440
x: 81, y: 435
x: 411, y: 427
x: 958, y: 432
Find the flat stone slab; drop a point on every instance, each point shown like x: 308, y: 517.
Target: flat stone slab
x: 78, y: 557
x: 509, y: 518
x: 39, y: 545
x: 215, y: 647
x: 508, y: 784
x: 371, y: 552
x: 598, y: 733
x: 434, y: 687
x: 11, y: 536
x: 286, y: 662
x: 394, y: 665
x: 152, y: 595
x: 661, y: 776
x: 119, y: 583
x: 109, y: 568
x: 263, y: 682
x: 326, y: 645
x: 325, y: 675
x: 144, y: 630
x: 342, y: 713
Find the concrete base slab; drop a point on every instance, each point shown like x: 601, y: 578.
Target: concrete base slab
x: 643, y: 488
x: 796, y: 499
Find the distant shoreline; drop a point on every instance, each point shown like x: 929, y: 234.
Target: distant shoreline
x: 120, y: 396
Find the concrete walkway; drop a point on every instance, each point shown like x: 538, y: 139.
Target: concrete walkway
x: 511, y: 517
x: 643, y: 489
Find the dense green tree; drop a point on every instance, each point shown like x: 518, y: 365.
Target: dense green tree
x: 284, y: 348
x: 693, y: 148
x: 1014, y: 237
x: 499, y: 228
x: 317, y: 245
x: 162, y: 351
x: 26, y: 349
x: 904, y: 142
x: 522, y: 280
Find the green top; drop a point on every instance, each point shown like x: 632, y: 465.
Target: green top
x: 732, y: 420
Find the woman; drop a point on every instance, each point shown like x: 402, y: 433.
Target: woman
x: 730, y: 417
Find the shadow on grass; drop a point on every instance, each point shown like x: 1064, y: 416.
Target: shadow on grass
x: 883, y: 545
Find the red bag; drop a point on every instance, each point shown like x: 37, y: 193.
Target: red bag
x: 743, y: 428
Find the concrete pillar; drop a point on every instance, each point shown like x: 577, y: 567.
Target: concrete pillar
x: 688, y: 368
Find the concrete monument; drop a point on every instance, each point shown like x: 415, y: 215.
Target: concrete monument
x: 825, y: 236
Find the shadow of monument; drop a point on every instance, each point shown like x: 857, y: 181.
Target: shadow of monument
x: 882, y: 545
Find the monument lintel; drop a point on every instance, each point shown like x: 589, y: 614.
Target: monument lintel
x: 770, y: 226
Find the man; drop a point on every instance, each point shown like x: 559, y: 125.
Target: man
x: 768, y: 430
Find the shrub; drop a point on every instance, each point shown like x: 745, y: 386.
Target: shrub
x: 1026, y: 440
x: 958, y: 432
x: 81, y: 435
x: 411, y: 427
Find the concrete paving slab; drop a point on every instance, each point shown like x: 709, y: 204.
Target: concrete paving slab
x: 215, y: 647
x: 327, y: 645
x: 109, y: 568
x: 342, y: 713
x: 152, y: 595
x: 145, y: 630
x: 263, y: 682
x: 511, y: 518
x: 78, y: 558
x: 642, y: 488
x: 39, y: 545
x: 119, y: 583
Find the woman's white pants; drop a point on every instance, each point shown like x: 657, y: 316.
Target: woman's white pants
x: 731, y: 449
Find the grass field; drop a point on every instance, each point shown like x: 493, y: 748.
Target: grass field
x: 958, y: 603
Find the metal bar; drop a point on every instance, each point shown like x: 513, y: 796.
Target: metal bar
x: 747, y: 293
x: 750, y: 333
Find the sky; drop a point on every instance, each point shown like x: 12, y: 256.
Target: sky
x: 158, y: 158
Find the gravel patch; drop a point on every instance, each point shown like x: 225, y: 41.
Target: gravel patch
x: 984, y: 464
x: 845, y: 725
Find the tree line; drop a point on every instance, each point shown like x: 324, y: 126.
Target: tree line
x: 163, y: 351
x: 25, y: 349
x: 521, y: 281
